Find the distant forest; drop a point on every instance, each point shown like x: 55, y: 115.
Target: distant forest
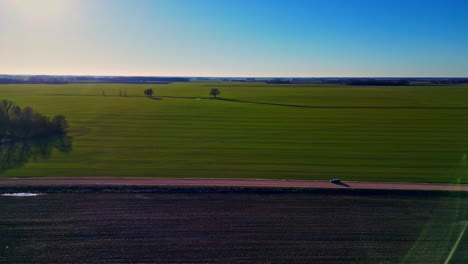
x: 43, y: 79
x: 34, y: 80
x: 55, y: 79
x: 357, y: 81
x: 25, y: 123
x: 374, y: 82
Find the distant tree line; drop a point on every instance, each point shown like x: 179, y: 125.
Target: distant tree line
x: 374, y: 82
x: 451, y: 81
x: 129, y: 80
x: 25, y: 123
x: 146, y: 79
x: 279, y: 81
x: 34, y: 80
x: 46, y: 79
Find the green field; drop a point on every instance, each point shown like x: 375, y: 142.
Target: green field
x: 402, y: 134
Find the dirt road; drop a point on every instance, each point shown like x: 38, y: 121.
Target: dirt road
x: 227, y: 182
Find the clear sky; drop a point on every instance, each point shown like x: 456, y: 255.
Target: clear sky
x: 304, y: 38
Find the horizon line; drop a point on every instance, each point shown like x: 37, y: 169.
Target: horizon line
x: 207, y: 76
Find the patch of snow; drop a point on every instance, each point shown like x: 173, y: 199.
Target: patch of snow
x: 20, y: 194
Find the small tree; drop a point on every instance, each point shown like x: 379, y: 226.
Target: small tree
x: 149, y: 92
x: 214, y: 92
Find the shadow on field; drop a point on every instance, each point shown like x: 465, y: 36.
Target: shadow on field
x: 184, y: 97
x: 342, y: 184
x: 349, y: 107
x: 287, y: 105
x: 326, y: 107
x: 15, y: 154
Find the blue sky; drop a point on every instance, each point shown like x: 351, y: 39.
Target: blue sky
x: 303, y: 38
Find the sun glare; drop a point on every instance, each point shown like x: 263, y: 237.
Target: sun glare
x: 40, y: 9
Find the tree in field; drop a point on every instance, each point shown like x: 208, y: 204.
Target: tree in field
x: 6, y: 109
x: 25, y: 123
x: 60, y: 124
x: 149, y: 92
x: 214, y: 92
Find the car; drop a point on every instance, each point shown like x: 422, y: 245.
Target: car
x: 335, y: 181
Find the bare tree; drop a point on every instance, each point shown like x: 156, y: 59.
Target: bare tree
x: 6, y: 109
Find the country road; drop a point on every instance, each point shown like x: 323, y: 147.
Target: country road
x: 9, y: 182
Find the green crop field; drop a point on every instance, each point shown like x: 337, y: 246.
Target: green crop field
x: 402, y: 134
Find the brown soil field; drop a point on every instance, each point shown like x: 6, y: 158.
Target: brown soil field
x: 257, y: 225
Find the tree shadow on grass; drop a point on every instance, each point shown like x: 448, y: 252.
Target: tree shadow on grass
x: 15, y: 154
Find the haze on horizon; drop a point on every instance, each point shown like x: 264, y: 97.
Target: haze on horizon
x: 231, y: 38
